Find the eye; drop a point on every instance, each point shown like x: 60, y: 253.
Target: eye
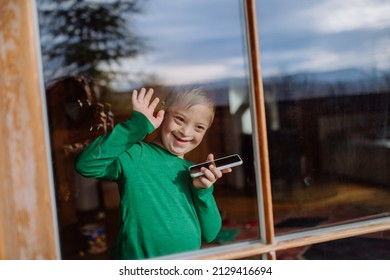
x: 200, y: 128
x: 179, y: 119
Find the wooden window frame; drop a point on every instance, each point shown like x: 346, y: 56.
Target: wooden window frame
x: 28, y: 220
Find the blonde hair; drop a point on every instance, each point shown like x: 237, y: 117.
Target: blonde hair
x: 188, y: 97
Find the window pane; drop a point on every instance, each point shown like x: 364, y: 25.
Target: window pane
x: 366, y: 247
x: 326, y: 81
x: 91, y: 69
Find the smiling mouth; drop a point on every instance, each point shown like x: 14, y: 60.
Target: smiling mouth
x: 180, y: 140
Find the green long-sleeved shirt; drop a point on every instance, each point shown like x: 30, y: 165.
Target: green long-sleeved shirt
x: 160, y: 211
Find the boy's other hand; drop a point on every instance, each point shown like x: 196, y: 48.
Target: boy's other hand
x: 142, y: 103
x: 210, y: 175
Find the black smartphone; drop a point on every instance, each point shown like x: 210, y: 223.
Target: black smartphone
x: 220, y: 163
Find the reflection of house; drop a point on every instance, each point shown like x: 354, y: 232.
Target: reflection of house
x: 340, y: 136
x: 323, y: 136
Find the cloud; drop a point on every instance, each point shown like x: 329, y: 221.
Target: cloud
x: 186, y: 73
x: 331, y: 16
x: 302, y: 60
x: 325, y: 35
x: 188, y: 20
x: 335, y: 16
x: 191, y: 41
x: 203, y: 40
x: 364, y: 49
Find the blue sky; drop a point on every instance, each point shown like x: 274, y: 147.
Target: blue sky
x: 202, y: 40
x: 324, y: 35
x: 191, y: 40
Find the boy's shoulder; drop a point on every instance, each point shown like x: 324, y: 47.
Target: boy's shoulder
x: 147, y: 149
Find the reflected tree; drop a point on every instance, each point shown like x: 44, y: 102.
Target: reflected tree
x: 86, y: 37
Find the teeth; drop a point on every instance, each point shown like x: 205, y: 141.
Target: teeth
x: 181, y: 139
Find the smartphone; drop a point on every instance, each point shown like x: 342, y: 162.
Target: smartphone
x: 220, y: 163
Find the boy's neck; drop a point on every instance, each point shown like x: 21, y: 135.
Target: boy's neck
x: 159, y: 143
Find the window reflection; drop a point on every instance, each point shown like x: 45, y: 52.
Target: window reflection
x: 327, y: 105
x: 366, y: 247
x: 212, y: 56
x: 236, y: 193
x: 76, y: 117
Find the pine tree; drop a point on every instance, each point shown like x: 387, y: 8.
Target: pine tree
x: 85, y: 37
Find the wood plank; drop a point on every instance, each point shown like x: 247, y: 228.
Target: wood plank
x: 301, y: 239
x: 27, y: 222
x: 259, y: 106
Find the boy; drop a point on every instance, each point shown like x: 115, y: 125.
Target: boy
x: 163, y: 210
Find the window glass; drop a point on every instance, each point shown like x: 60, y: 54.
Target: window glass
x: 325, y: 68
x: 365, y: 247
x: 95, y: 53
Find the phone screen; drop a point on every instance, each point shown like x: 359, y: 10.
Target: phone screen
x: 221, y: 163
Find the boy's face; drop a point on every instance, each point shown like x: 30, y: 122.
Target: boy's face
x: 183, y: 129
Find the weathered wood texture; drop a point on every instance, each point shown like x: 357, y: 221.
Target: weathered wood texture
x: 27, y: 226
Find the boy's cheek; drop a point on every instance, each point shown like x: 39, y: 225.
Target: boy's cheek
x: 199, y: 138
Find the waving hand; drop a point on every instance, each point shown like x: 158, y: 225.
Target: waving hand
x: 143, y: 104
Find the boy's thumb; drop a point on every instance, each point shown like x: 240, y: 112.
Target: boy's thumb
x: 160, y: 114
x: 159, y: 117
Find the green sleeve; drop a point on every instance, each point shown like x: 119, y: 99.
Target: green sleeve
x: 99, y: 159
x: 208, y: 213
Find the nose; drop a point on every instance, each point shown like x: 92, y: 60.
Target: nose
x: 185, y: 130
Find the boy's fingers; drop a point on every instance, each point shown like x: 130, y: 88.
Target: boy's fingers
x: 203, y: 182
x: 154, y: 103
x: 206, y: 182
x: 216, y: 172
x: 160, y: 115
x: 210, y: 176
x: 134, y: 96
x: 227, y: 170
x: 149, y: 95
x: 210, y: 157
x: 159, y: 118
x: 141, y: 94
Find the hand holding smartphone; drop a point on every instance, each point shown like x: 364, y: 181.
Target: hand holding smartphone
x: 220, y: 163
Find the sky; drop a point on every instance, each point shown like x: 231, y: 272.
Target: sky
x: 203, y: 40
x: 191, y: 41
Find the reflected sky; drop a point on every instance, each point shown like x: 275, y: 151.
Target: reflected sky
x: 191, y: 41
x: 201, y: 41
x: 324, y: 36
